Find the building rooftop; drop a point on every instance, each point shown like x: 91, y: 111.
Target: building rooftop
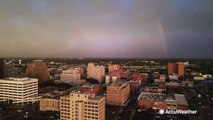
x: 19, y: 79
x: 90, y: 85
x: 119, y: 83
x: 58, y: 94
x: 157, y: 97
x: 91, y: 96
x: 181, y: 99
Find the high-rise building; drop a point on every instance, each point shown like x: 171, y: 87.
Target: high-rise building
x: 19, y: 90
x: 1, y: 68
x: 176, y: 68
x: 95, y: 72
x: 172, y: 68
x: 118, y: 93
x: 38, y: 69
x: 82, y: 106
x: 180, y: 69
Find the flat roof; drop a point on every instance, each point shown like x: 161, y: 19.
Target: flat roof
x: 157, y: 97
x: 58, y: 94
x: 90, y: 85
x: 19, y: 79
x: 119, y: 83
x: 181, y: 99
x: 91, y: 96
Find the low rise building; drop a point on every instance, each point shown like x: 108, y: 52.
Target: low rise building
x: 172, y: 84
x: 51, y: 100
x: 173, y: 77
x: 49, y: 104
x: 72, y: 76
x: 181, y: 102
x: 152, y: 100
x: 161, y: 101
x: 118, y: 93
x: 153, y: 89
x: 91, y: 88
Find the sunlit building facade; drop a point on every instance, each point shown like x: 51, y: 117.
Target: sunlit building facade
x: 38, y: 69
x: 19, y: 90
x: 118, y: 93
x: 176, y: 68
x: 49, y: 104
x: 82, y: 106
x: 95, y: 72
x: 113, y: 67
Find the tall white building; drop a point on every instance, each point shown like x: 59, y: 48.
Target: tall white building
x: 95, y: 72
x: 19, y: 90
x: 82, y: 106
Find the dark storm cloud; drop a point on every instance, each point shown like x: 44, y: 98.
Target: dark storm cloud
x: 106, y: 28
x: 189, y: 28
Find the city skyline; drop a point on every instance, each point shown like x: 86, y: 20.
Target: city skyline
x: 106, y: 28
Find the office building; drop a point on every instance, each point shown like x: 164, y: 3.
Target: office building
x: 176, y: 68
x: 38, y: 69
x: 51, y: 99
x: 180, y: 69
x: 18, y: 90
x: 82, y: 106
x: 71, y: 76
x: 95, y: 72
x: 118, y: 93
x: 49, y: 104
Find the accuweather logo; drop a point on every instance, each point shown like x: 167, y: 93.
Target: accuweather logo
x: 183, y: 112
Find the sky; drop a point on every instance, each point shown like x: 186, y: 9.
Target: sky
x: 106, y: 28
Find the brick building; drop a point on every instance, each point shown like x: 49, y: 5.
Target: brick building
x: 118, y: 93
